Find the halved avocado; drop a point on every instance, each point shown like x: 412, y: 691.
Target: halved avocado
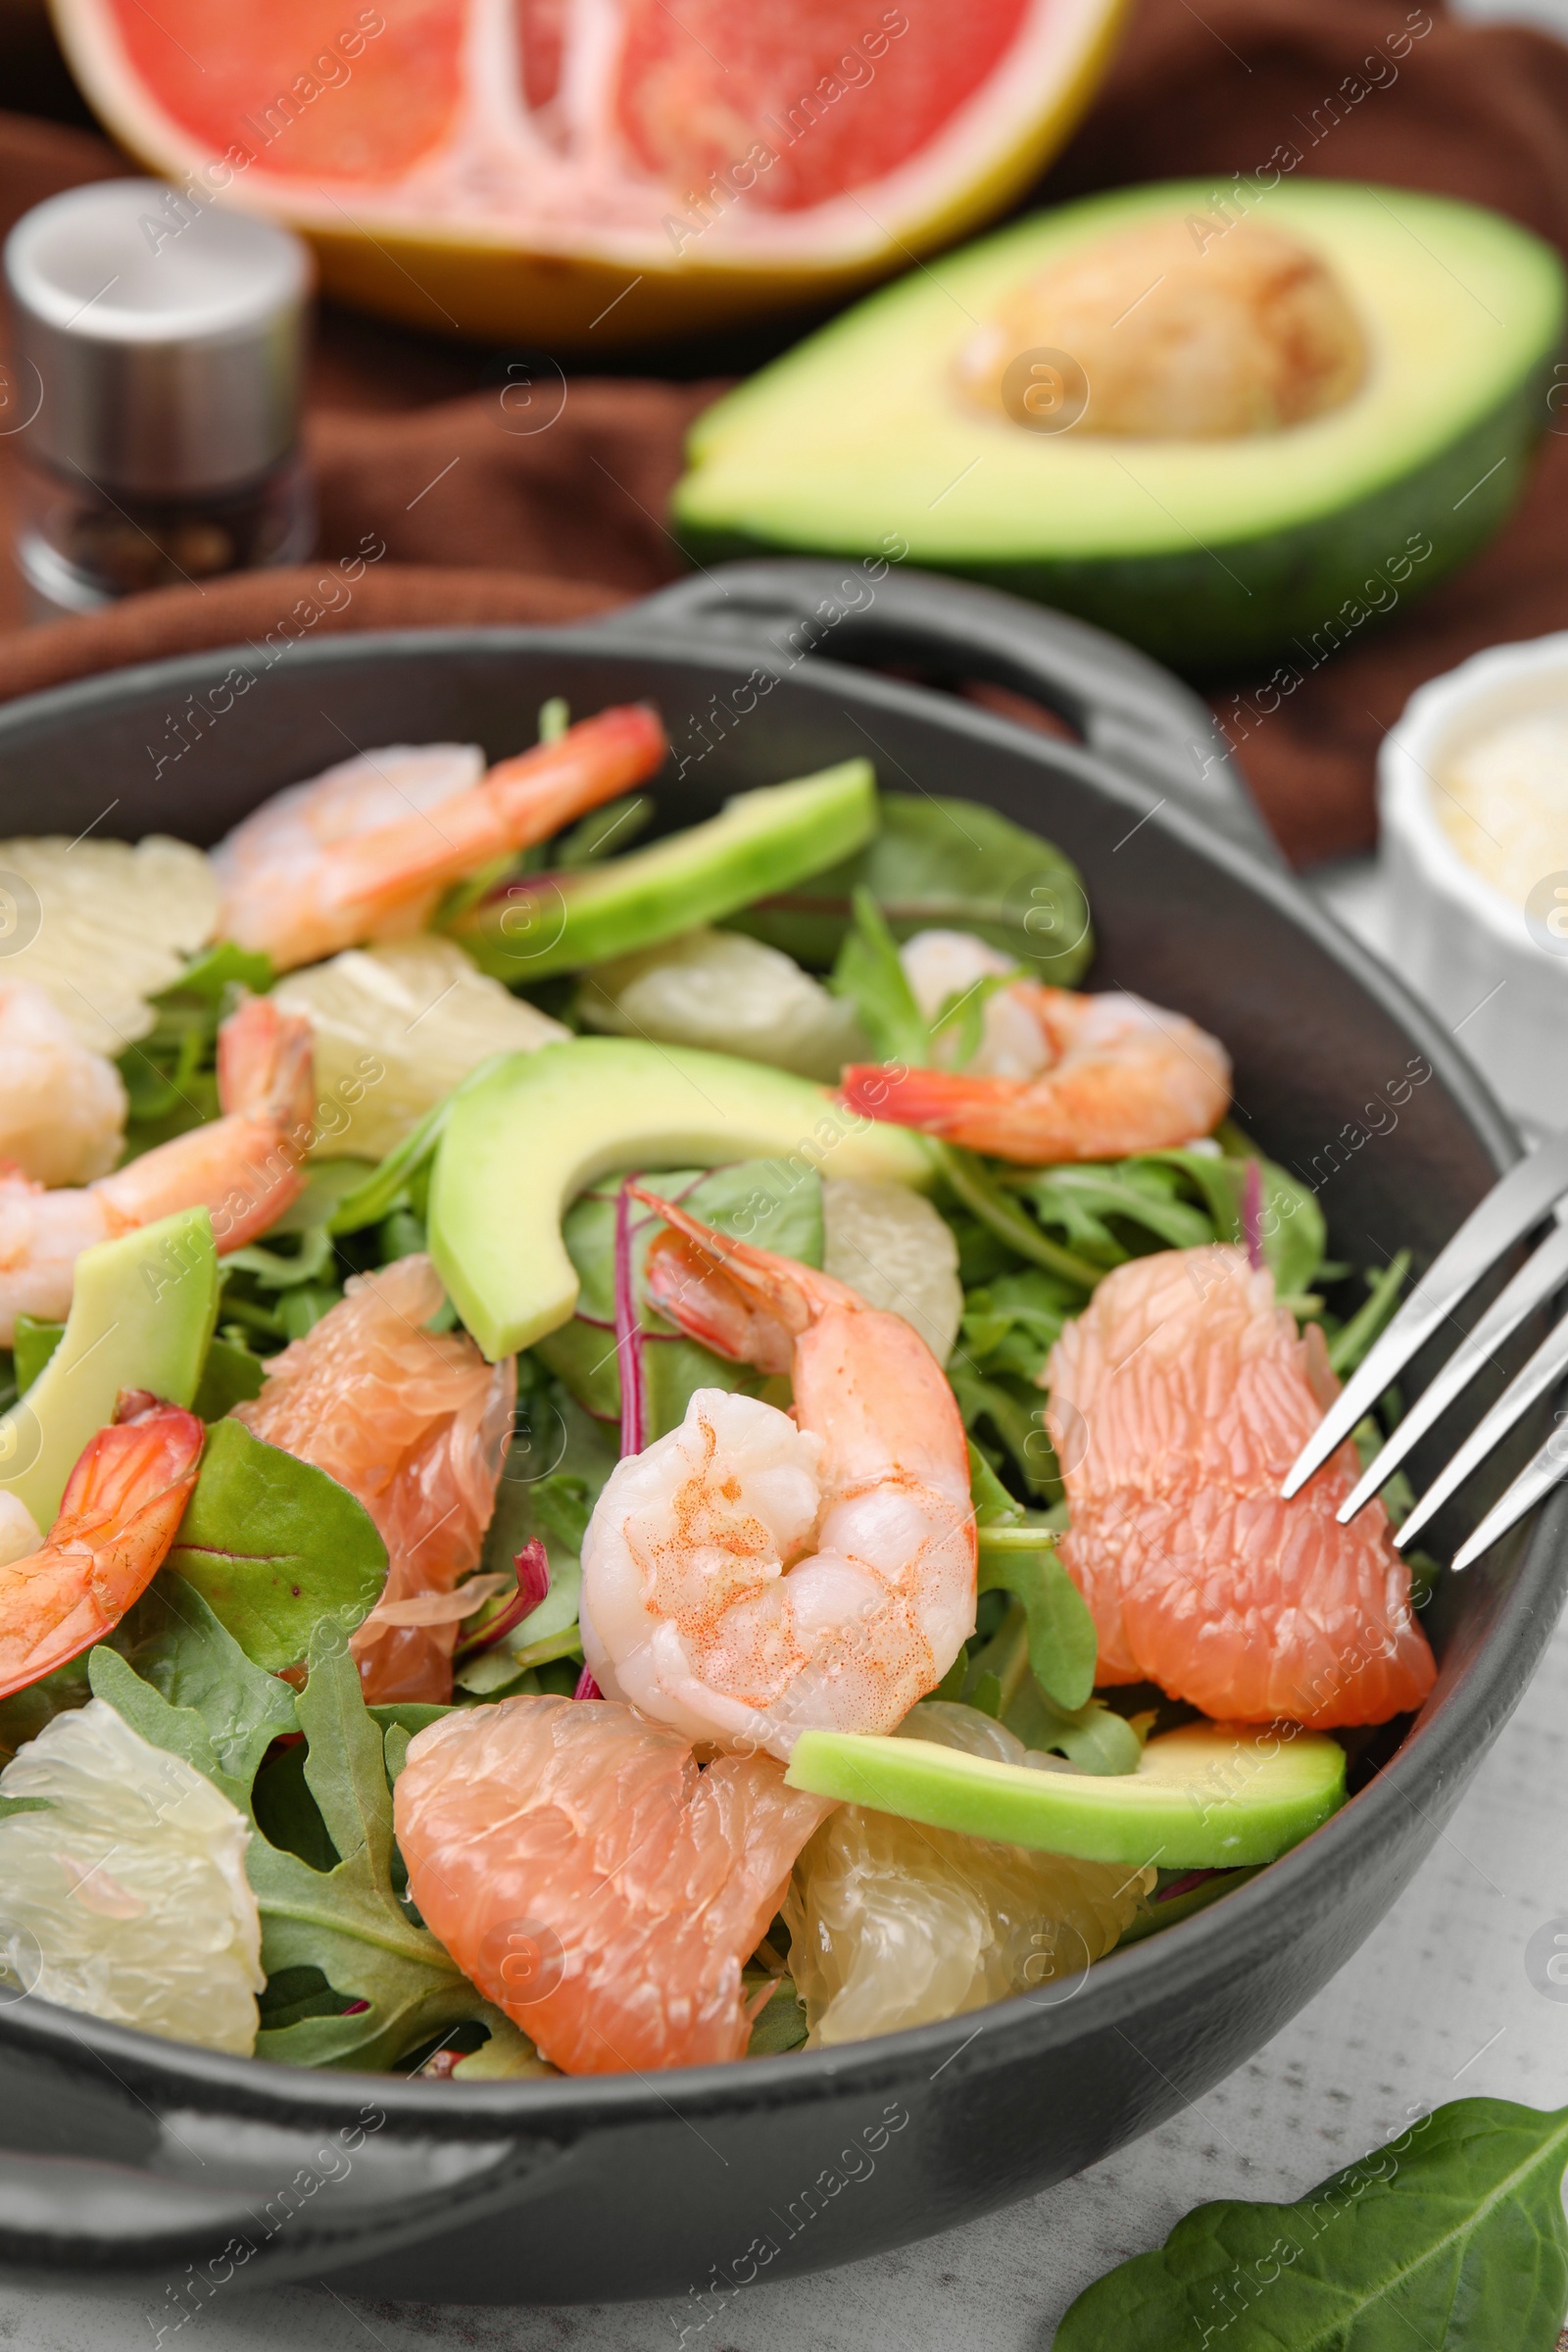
x: 1207, y: 552
x: 142, y: 1311
x: 759, y: 841
x: 520, y: 1145
x: 1209, y: 1796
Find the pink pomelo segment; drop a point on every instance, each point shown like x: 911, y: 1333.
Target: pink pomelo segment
x: 1179, y: 1400
x: 592, y: 1881
x: 414, y: 1423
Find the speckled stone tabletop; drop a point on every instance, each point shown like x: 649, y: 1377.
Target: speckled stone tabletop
x: 1448, y: 1996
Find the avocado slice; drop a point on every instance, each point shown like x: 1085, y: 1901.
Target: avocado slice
x: 1208, y: 1796
x: 142, y: 1311
x: 1207, y: 552
x: 759, y: 842
x: 520, y: 1145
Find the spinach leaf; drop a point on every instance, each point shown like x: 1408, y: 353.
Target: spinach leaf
x: 760, y: 1200
x: 231, y: 1376
x: 940, y: 864
x: 275, y: 1545
x: 1453, y: 2233
x: 870, y: 974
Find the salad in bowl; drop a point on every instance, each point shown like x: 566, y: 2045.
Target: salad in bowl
x: 627, y: 1451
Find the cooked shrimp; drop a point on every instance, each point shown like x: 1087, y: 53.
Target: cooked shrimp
x: 243, y: 1166
x: 415, y: 1423
x: 122, y: 1505
x: 62, y: 1107
x: 365, y: 851
x: 1116, y: 1076
x: 750, y: 1575
x: 1179, y: 1398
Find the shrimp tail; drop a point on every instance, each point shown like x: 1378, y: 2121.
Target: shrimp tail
x: 731, y: 1294
x: 121, y: 1507
x: 536, y: 791
x: 266, y: 1065
x: 940, y: 1102
x: 245, y: 1166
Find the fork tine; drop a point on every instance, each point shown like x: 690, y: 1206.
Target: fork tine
x: 1544, y: 1370
x: 1537, y: 1278
x: 1537, y: 1477
x: 1510, y: 1209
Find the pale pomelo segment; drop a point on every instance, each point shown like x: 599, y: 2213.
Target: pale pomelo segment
x: 514, y: 168
x: 1179, y: 1400
x: 592, y: 1882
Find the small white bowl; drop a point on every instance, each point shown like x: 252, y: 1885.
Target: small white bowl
x: 1495, y: 971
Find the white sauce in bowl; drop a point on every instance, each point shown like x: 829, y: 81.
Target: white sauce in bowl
x: 1501, y: 798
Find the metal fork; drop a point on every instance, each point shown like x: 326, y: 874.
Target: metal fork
x: 1525, y: 1197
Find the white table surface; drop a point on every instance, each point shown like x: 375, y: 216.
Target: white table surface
x: 1436, y: 2005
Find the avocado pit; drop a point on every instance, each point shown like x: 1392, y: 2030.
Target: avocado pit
x: 1162, y: 333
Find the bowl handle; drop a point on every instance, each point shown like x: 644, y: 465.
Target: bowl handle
x: 111, y: 2173
x: 1133, y: 715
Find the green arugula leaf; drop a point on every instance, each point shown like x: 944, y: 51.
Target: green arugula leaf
x: 984, y: 1198
x: 940, y: 864
x: 171, y: 1074
x: 348, y: 1922
x: 1091, y: 1736
x: 1356, y: 1341
x: 1094, y: 1737
x: 1011, y: 1323
x: 183, y: 1656
x: 1453, y: 2233
x: 993, y: 1506
x: 275, y: 1545
x: 1062, y: 1646
x: 870, y: 974
x: 352, y: 1981
x: 280, y: 1270
x: 1023, y: 1561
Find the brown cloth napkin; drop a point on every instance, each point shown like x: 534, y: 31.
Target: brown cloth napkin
x: 482, y: 521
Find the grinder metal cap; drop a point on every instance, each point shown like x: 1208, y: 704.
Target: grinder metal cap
x: 162, y: 337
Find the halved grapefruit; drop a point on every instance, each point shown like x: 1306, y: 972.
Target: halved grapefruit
x: 556, y: 170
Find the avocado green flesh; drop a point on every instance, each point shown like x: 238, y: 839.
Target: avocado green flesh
x: 142, y: 1311
x: 1203, y: 551
x: 759, y: 842
x: 1209, y: 1796
x: 520, y: 1148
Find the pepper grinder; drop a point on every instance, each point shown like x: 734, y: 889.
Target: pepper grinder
x: 159, y: 342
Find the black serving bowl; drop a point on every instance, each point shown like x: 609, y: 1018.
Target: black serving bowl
x: 140, y: 2162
